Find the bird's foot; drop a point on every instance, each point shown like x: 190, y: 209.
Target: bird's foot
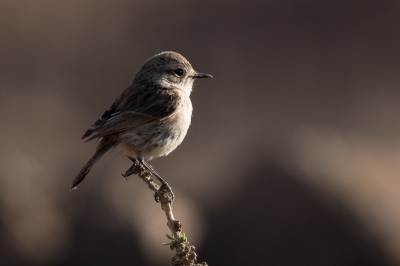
x: 133, y: 170
x: 162, y: 191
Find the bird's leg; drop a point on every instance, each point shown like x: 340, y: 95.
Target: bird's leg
x: 164, y: 184
x: 133, y: 169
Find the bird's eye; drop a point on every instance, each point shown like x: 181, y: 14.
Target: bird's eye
x: 178, y: 72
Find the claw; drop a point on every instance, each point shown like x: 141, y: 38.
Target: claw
x: 132, y: 170
x: 157, y: 196
x: 165, y: 188
x: 126, y: 177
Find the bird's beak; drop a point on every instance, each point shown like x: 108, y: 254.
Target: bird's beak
x: 202, y: 76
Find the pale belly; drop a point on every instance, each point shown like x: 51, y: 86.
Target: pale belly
x: 156, y: 139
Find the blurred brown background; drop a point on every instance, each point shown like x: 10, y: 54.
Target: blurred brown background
x: 292, y: 157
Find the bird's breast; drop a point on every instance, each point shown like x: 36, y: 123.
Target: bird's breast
x: 171, y: 131
x: 160, y: 138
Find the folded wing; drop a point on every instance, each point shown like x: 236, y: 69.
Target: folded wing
x: 122, y: 122
x: 121, y: 117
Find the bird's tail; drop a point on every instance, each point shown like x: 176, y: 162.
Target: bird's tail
x: 86, y: 169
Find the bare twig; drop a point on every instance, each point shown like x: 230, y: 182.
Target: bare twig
x: 185, y: 255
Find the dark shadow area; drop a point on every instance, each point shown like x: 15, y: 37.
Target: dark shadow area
x: 91, y: 246
x: 91, y: 243
x: 274, y: 219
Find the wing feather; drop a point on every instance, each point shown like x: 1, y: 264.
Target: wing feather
x: 133, y: 109
x: 122, y: 122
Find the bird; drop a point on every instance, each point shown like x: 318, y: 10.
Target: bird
x: 149, y: 119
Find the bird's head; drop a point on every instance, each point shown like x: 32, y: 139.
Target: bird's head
x: 169, y: 70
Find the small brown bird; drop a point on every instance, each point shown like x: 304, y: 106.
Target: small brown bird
x: 150, y: 118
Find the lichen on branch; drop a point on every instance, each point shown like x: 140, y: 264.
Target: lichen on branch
x: 185, y: 254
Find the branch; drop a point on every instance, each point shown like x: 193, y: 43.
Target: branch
x: 185, y: 255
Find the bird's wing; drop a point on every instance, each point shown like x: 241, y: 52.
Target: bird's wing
x: 122, y: 122
x: 114, y: 120
x: 108, y: 114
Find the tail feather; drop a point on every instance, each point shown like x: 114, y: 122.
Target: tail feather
x: 86, y: 169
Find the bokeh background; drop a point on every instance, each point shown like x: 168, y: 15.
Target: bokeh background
x: 293, y: 153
